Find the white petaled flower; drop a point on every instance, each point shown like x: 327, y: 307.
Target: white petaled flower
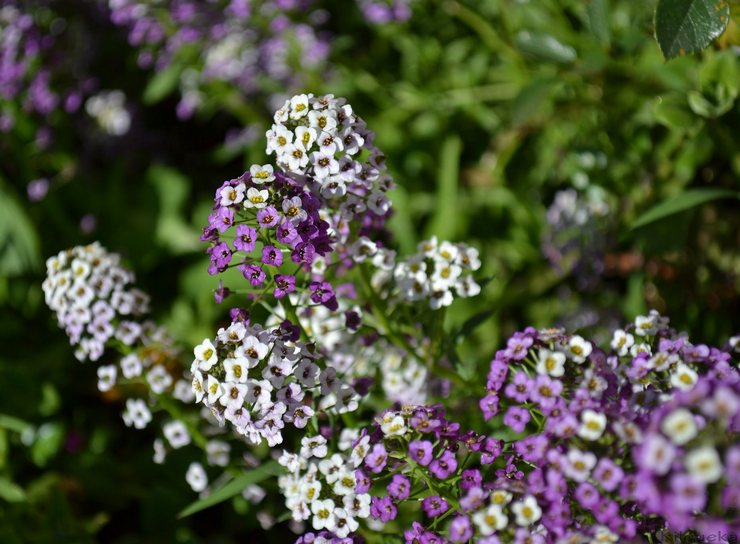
x: 622, y: 342
x: 703, y: 463
x: 262, y: 173
x: 347, y: 437
x: 602, y: 535
x: 299, y: 106
x: 218, y: 452
x: 131, y: 366
x: 679, y: 426
x: 393, y: 425
x: 232, y: 194
x: 233, y: 396
x: 683, y: 377
x: 550, y: 362
x: 196, y: 477
x: 254, y: 350
x: 236, y: 370
x: 176, y: 434
x: 344, y: 524
x: 490, y: 520
x: 527, y: 511
x: 579, y: 349
x: 159, y: 379
x: 256, y: 198
x: 345, y: 483
x: 108, y: 108
x: 198, y: 387
x: 137, y: 414
x: 323, y: 515
x: 205, y: 354
x: 358, y: 506
x: 592, y: 425
x: 646, y: 325
x: 107, y: 377
x: 313, y: 446
x: 183, y: 392
x: 500, y: 497
x: 579, y: 464
x: 310, y: 491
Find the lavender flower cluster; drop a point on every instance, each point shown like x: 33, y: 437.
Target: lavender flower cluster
x: 258, y: 380
x: 94, y: 301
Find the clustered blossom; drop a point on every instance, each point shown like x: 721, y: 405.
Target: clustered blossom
x: 634, y: 433
x: 381, y: 12
x: 578, y: 234
x: 94, y: 300
x: 324, y: 488
x: 323, y: 139
x: 108, y: 108
x: 437, y: 273
x: 238, y: 42
x: 259, y: 380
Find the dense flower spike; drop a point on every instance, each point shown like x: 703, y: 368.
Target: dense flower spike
x: 259, y: 380
x: 433, y: 274
x: 94, y: 300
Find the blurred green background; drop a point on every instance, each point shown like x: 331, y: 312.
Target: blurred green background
x: 491, y: 113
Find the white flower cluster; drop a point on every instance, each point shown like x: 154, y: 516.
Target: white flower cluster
x: 90, y: 292
x: 108, y: 108
x: 321, y: 488
x: 258, y: 381
x: 433, y: 273
x: 323, y: 139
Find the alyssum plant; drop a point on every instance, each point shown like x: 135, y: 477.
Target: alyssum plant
x: 337, y: 365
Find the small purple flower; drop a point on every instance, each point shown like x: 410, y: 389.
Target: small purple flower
x: 443, y: 466
x: 303, y: 253
x: 221, y: 292
x: 253, y: 273
x: 268, y: 217
x: 608, y: 474
x: 376, y: 459
x: 520, y: 388
x: 272, y: 256
x: 490, y: 450
x: 222, y: 220
x: 489, y: 406
x: 421, y: 452
x: 362, y: 482
x: 587, y: 495
x: 246, y: 238
x: 460, y: 529
x: 517, y: 346
x: 286, y: 233
x: 323, y: 293
x: 284, y: 284
x: 383, y: 509
x: 470, y: 478
x: 516, y: 418
x: 546, y: 391
x: 473, y: 500
x: 434, y: 506
x: 220, y: 257
x: 399, y: 488
x: 689, y: 494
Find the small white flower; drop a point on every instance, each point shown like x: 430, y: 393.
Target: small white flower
x: 232, y: 194
x: 214, y: 389
x: 197, y: 386
x: 704, y: 464
x: 592, y: 425
x: 346, y: 437
x: 357, y: 506
x: 305, y: 137
x: 344, y: 524
x: 131, y: 366
x: 206, y: 355
x: 176, y: 434
x: 298, y: 106
x: 579, y: 464
x: 256, y: 198
x: 107, y: 377
x: 579, y: 349
x: 679, y: 426
x: 323, y: 515
x: 527, y: 511
x: 159, y: 379
x: 218, y: 452
x: 196, y: 477
x: 500, y: 497
x: 313, y: 446
x: 137, y: 414
x: 261, y: 173
x: 254, y: 350
x: 683, y: 377
x: 236, y: 370
x: 551, y: 362
x: 621, y: 342
x: 344, y: 483
x: 393, y: 425
x: 233, y: 396
x: 645, y: 325
x: 490, y: 520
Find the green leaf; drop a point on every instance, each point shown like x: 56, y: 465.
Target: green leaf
x: 443, y: 222
x: 19, y: 244
x: 545, y: 47
x: 598, y: 20
x: 10, y: 491
x: 14, y: 424
x: 684, y: 201
x: 162, y: 84
x: 48, y: 440
x: 234, y: 487
x: 687, y: 26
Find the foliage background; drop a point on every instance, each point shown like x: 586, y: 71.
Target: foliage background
x: 485, y: 108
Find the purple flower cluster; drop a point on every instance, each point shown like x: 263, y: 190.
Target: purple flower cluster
x: 259, y: 380
x: 382, y: 12
x: 236, y: 42
x: 28, y: 67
